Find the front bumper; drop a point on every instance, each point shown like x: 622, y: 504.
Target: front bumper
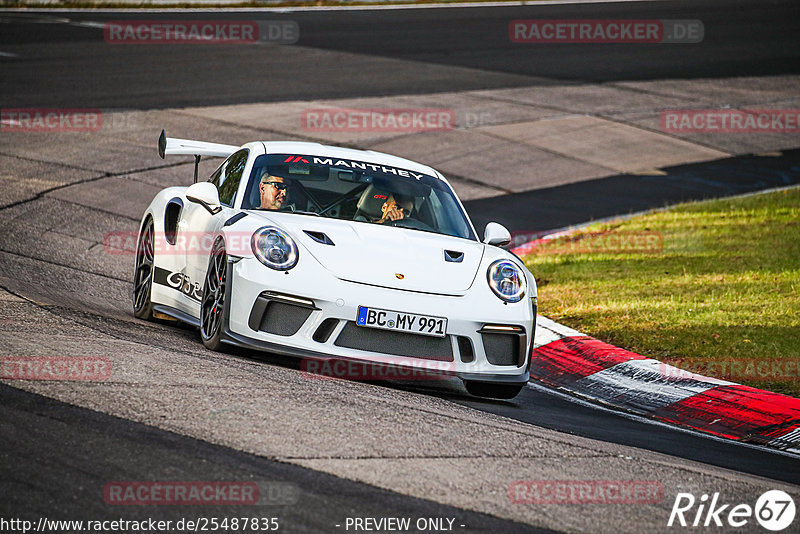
x: 315, y: 313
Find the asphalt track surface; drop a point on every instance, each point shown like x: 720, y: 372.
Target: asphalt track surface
x: 562, y: 206
x: 742, y: 38
x: 56, y: 456
x: 57, y: 459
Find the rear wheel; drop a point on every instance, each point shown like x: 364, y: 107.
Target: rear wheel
x: 213, y: 301
x: 143, y: 275
x: 494, y: 391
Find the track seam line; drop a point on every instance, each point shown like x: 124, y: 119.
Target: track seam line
x: 57, y: 163
x: 473, y: 181
x: 367, y: 144
x: 438, y: 457
x: 608, y: 115
x: 256, y: 128
x: 4, y: 251
x: 613, y: 172
x: 107, y: 174
x: 99, y: 210
x: 670, y: 136
x: 53, y: 310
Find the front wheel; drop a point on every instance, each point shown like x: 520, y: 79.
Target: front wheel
x: 213, y: 301
x: 143, y: 275
x: 493, y: 391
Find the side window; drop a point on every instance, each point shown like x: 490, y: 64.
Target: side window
x: 214, y: 178
x: 228, y: 176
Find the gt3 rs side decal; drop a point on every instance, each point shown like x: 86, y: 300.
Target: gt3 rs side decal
x: 179, y: 282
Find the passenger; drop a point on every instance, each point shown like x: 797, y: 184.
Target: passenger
x: 395, y: 209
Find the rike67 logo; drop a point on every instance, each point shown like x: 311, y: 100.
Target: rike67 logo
x: 774, y: 510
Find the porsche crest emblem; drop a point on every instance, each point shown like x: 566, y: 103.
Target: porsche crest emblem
x: 399, y: 276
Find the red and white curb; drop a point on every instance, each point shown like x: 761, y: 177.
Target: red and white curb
x: 570, y: 361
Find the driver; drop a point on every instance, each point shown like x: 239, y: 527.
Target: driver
x: 273, y: 192
x: 395, y: 209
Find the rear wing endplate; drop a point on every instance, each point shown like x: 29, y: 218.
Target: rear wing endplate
x: 170, y: 146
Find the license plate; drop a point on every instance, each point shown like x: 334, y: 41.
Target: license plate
x: 425, y: 325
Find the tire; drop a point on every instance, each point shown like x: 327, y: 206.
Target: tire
x: 143, y: 273
x: 493, y: 391
x: 213, y: 301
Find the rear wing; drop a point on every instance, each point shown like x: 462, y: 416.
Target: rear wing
x: 170, y: 146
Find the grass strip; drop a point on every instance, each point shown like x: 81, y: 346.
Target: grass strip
x: 712, y: 287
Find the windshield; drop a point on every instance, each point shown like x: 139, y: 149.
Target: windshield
x: 355, y: 191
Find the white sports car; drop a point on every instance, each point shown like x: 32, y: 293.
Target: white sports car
x: 335, y: 254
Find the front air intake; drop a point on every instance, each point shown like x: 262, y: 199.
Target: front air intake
x: 395, y: 343
x: 504, y: 344
x: 324, y: 331
x: 501, y: 349
x: 465, y: 349
x: 278, y: 314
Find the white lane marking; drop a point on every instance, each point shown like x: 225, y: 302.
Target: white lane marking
x: 544, y: 336
x: 643, y: 386
x: 87, y: 24
x: 382, y: 7
x: 34, y: 20
x: 559, y: 329
x: 792, y: 438
x: 8, y: 54
x: 52, y: 20
x: 669, y: 372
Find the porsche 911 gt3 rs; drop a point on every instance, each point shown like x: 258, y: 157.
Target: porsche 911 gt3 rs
x: 323, y: 252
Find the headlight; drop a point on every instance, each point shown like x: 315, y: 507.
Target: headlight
x: 506, y: 280
x: 274, y: 248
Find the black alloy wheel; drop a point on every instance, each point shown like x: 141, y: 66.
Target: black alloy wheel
x: 213, y: 301
x: 143, y: 274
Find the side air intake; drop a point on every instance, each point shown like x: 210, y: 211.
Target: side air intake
x: 453, y: 256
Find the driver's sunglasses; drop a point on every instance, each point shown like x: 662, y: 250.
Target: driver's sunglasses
x: 280, y: 186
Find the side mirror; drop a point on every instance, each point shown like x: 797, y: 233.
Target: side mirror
x: 496, y: 234
x: 205, y: 194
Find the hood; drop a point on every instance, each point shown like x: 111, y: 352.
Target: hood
x: 375, y: 254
